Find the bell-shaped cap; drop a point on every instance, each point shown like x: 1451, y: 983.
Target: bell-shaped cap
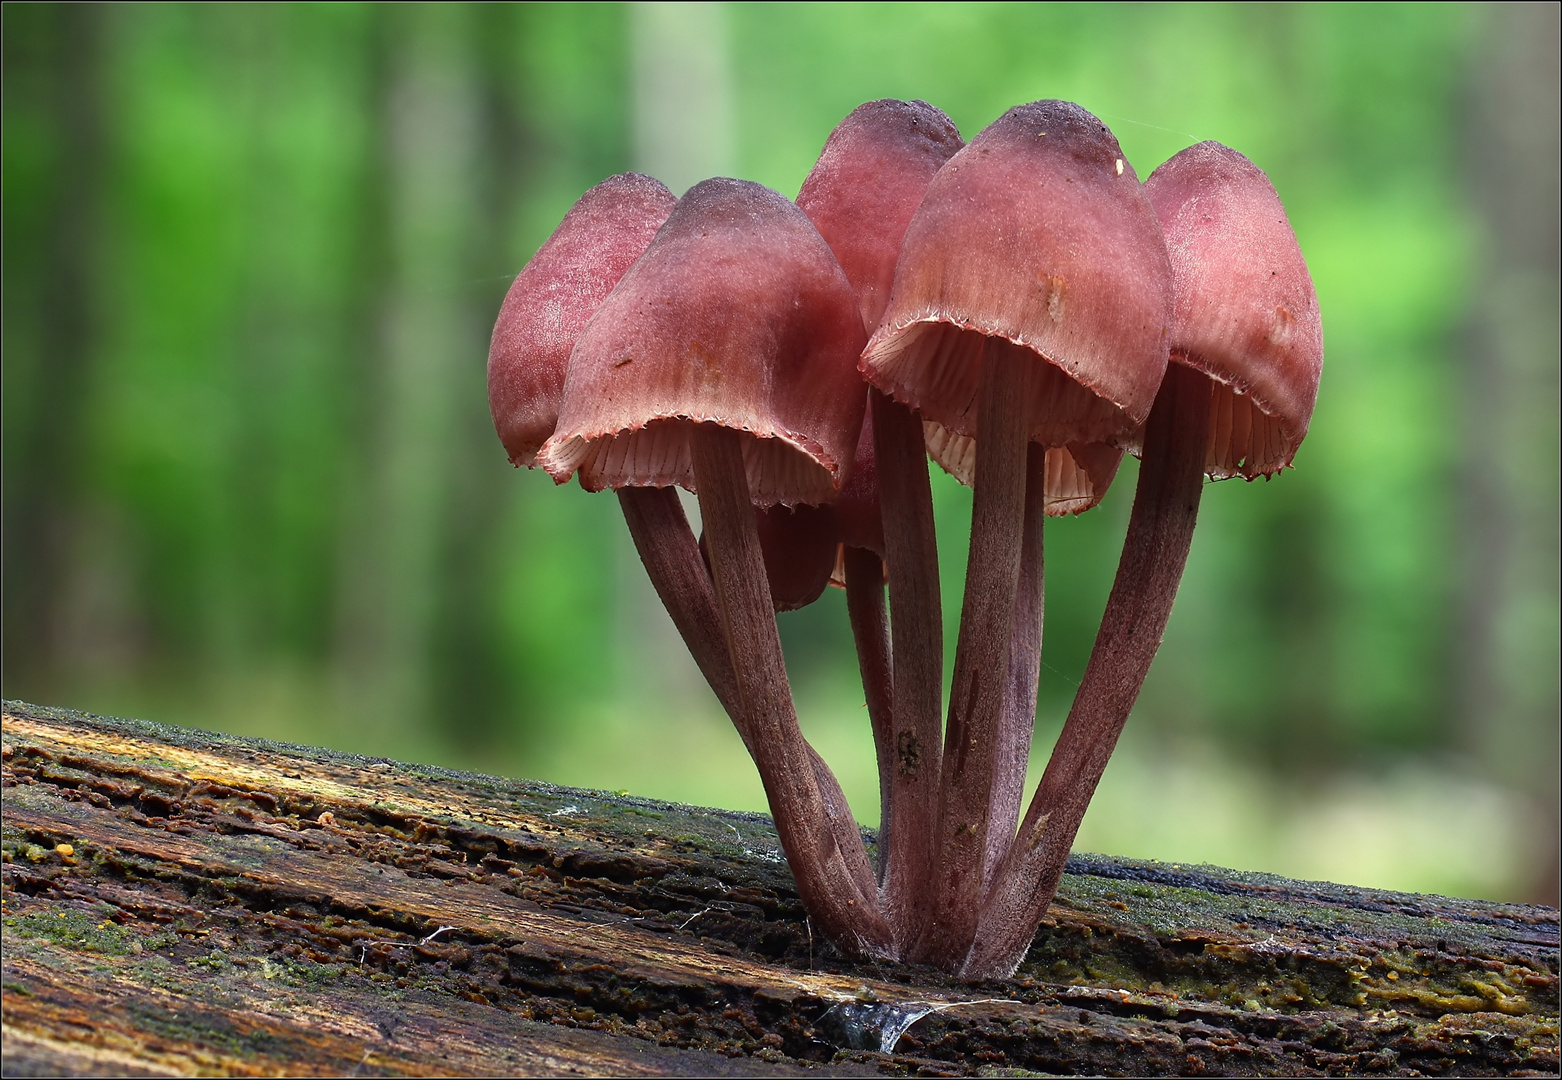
x: 553, y: 297
x: 799, y: 545
x: 866, y: 185
x: 1077, y: 474
x: 737, y: 314
x: 1246, y: 312
x: 861, y: 195
x: 1039, y: 233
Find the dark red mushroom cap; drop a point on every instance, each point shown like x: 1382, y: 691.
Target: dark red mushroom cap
x: 1246, y: 311
x: 861, y: 195
x: 737, y: 314
x: 1077, y: 475
x: 553, y: 297
x: 1038, y: 232
x: 867, y: 184
x: 799, y: 545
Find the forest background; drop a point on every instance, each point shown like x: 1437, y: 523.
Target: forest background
x: 252, y: 256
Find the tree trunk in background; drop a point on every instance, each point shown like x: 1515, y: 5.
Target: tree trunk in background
x: 683, y: 104
x: 393, y: 538
x: 467, y: 667
x: 1511, y: 492
x: 59, y: 49
x: 682, y: 112
x: 365, y: 341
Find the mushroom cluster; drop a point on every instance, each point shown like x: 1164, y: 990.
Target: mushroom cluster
x: 1021, y: 309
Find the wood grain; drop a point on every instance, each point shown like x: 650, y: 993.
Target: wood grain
x: 238, y: 907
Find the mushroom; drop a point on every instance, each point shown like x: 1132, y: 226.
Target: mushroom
x: 1030, y: 304
x: 543, y: 314
x: 1247, y: 353
x: 861, y: 195
x: 807, y: 547
x: 799, y: 545
x: 680, y: 572
x: 724, y: 362
x: 552, y: 298
x: 860, y: 569
x: 1059, y: 480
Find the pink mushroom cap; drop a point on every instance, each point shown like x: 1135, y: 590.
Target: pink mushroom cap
x: 799, y: 545
x: 861, y: 194
x: 1039, y: 233
x: 737, y: 314
x: 867, y: 184
x: 1246, y: 312
x: 554, y: 296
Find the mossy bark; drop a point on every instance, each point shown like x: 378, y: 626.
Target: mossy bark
x: 179, y: 902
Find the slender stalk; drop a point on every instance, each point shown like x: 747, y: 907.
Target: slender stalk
x: 870, y: 631
x: 1012, y: 754
x: 825, y: 880
x: 848, y: 835
x: 1155, y: 551
x: 672, y: 559
x: 982, y: 653
x: 671, y: 555
x: 917, y: 639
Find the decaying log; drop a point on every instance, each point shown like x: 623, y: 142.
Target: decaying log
x: 181, y: 902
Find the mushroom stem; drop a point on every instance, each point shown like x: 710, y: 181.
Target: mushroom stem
x: 1160, y: 530
x: 848, y: 836
x: 976, y: 695
x: 870, y: 631
x: 825, y: 880
x: 1012, y: 754
x: 917, y: 640
x: 671, y: 555
x: 672, y: 559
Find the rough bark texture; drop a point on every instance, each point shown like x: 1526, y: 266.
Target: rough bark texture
x: 233, y: 906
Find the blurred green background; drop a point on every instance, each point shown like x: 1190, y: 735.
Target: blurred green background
x: 252, y: 255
